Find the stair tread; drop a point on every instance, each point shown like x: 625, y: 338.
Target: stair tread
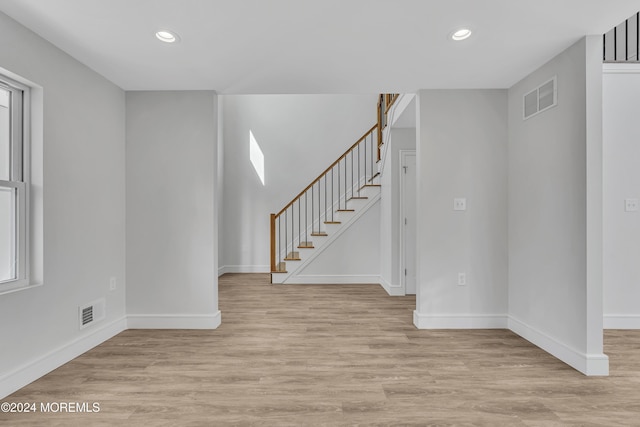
x: 305, y: 245
x: 370, y: 185
x: 293, y: 256
x: 332, y: 222
x: 346, y: 210
x: 359, y: 198
x: 280, y: 268
x: 319, y: 234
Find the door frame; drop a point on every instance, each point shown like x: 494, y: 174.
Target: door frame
x: 401, y: 253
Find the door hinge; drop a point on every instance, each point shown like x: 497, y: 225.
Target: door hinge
x: 405, y: 221
x: 405, y: 271
x: 405, y: 168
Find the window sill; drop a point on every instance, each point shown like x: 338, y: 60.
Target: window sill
x: 17, y: 287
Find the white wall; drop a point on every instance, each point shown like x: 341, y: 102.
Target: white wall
x: 300, y: 136
x: 555, y: 289
x: 220, y: 183
x: 354, y: 257
x: 400, y: 139
x: 171, y: 210
x: 84, y: 212
x: 461, y: 152
x: 621, y: 133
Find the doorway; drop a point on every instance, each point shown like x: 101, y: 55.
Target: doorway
x: 408, y: 221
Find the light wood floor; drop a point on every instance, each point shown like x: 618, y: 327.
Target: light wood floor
x: 332, y: 355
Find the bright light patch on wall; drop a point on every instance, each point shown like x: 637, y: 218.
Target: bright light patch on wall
x: 256, y: 156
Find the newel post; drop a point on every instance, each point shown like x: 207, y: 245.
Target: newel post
x: 273, y: 242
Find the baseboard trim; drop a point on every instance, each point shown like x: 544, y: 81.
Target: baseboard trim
x: 243, y: 269
x: 588, y: 364
x: 460, y: 321
x: 394, y: 291
x: 621, y: 321
x: 333, y: 279
x: 35, y: 369
x: 174, y: 321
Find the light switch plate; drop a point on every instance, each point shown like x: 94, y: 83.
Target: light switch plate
x: 462, y: 279
x: 630, y: 205
x: 460, y: 204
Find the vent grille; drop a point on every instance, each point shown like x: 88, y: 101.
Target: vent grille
x: 540, y: 99
x: 92, y: 312
x: 87, y: 315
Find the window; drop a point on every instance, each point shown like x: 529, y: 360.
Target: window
x: 14, y: 187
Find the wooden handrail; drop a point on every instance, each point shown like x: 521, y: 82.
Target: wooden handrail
x: 390, y: 98
x: 379, y: 118
x: 385, y: 101
x: 326, y: 171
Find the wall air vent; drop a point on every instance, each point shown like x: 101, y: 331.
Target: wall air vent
x: 91, y: 313
x: 540, y: 99
x: 87, y: 315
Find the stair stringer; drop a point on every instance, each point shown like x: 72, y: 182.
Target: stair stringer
x: 347, y: 218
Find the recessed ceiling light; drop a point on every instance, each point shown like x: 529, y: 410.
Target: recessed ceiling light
x: 461, y: 34
x: 167, y: 36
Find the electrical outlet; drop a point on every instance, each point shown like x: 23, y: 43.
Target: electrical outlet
x: 113, y: 284
x: 630, y: 205
x: 459, y: 204
x: 462, y: 279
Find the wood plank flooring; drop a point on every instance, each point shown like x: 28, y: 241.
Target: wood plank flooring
x: 293, y: 355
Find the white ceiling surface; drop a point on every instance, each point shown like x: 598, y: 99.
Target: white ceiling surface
x: 319, y: 46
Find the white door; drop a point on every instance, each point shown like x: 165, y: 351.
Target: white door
x: 409, y: 222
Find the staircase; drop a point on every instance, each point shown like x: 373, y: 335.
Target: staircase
x: 328, y: 206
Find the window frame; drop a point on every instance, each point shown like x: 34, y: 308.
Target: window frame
x: 18, y: 180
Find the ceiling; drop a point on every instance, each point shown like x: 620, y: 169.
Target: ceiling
x: 320, y: 46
